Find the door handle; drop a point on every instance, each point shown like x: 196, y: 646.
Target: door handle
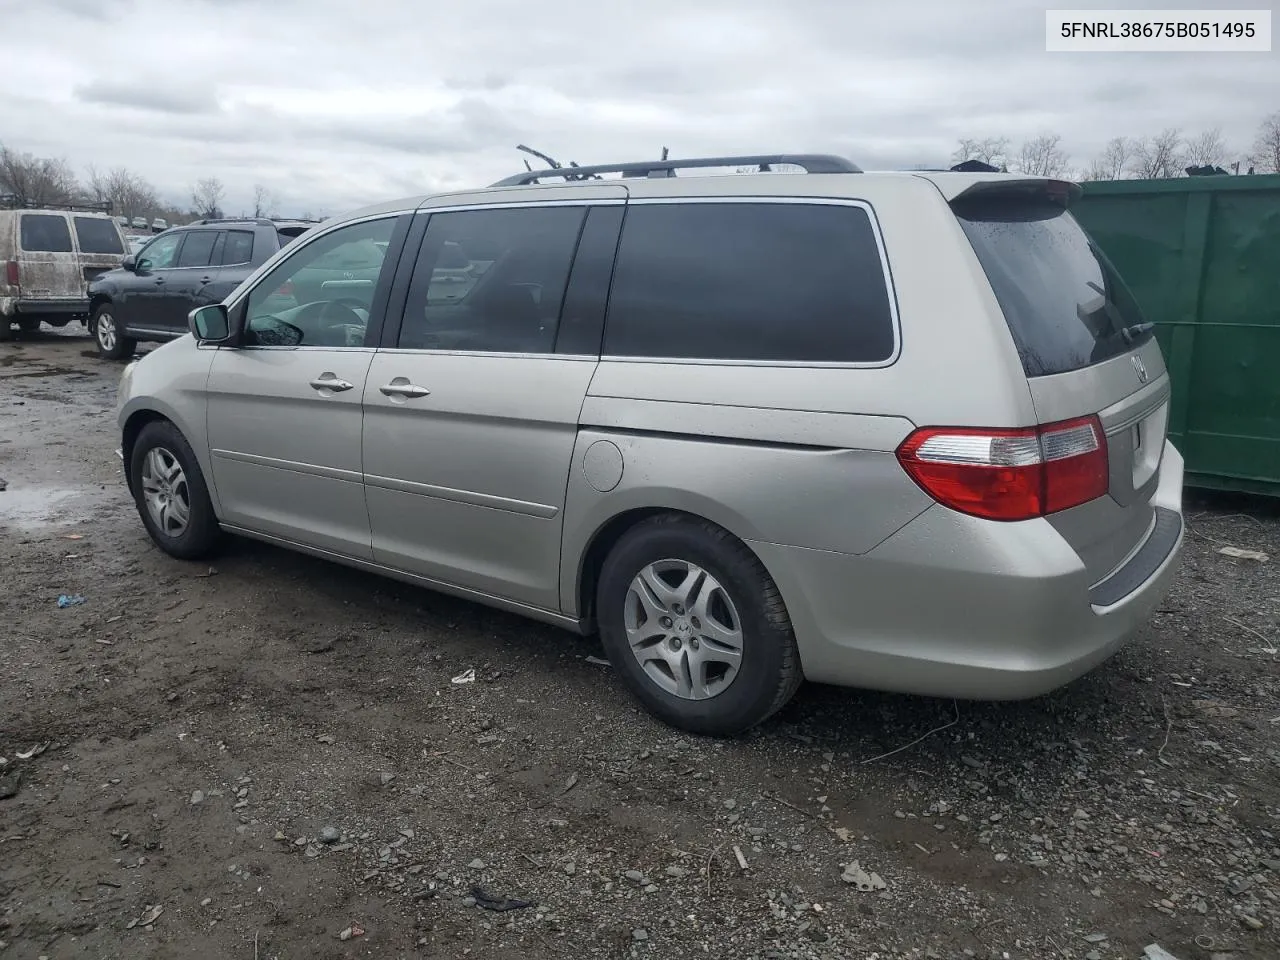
x: 205, y: 280
x: 401, y: 387
x: 328, y: 381
x: 158, y: 280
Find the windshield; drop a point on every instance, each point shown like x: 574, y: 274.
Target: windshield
x: 1065, y: 305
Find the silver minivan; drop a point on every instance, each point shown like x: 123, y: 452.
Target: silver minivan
x: 47, y: 258
x: 897, y: 430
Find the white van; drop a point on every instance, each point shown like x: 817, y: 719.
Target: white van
x: 47, y: 258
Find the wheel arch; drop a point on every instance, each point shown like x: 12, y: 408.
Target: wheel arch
x: 607, y: 534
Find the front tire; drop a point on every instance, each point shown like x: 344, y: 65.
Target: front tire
x: 171, y: 494
x: 109, y: 335
x: 695, y: 627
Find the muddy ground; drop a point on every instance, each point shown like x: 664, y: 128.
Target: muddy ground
x: 203, y: 726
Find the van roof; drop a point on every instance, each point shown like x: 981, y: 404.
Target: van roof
x: 660, y: 178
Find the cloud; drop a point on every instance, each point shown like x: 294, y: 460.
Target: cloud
x: 333, y: 105
x: 161, y: 94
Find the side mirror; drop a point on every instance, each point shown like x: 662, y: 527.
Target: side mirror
x: 129, y: 263
x: 210, y: 323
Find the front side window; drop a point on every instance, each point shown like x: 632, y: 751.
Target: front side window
x: 781, y: 282
x: 322, y: 294
x: 491, y: 280
x: 160, y: 253
x: 45, y: 233
x: 198, y: 249
x: 98, y: 235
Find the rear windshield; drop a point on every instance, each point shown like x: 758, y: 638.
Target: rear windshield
x: 1065, y: 305
x: 98, y: 235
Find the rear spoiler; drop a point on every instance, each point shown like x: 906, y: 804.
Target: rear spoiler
x: 955, y: 188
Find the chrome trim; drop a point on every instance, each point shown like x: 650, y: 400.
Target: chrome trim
x: 466, y: 593
x: 542, y: 511
x: 293, y: 466
x: 876, y: 232
x: 301, y: 346
x: 1151, y: 397
x: 412, y: 351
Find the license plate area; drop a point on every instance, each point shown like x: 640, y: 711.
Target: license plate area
x: 1147, y: 442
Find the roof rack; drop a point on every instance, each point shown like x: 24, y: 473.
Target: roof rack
x: 259, y: 221
x: 811, y: 162
x: 9, y: 201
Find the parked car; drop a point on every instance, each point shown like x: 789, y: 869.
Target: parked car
x: 139, y: 223
x: 897, y: 430
x: 136, y: 242
x: 159, y: 225
x: 48, y: 256
x: 150, y: 295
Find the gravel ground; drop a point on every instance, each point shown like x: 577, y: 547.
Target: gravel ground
x: 270, y: 758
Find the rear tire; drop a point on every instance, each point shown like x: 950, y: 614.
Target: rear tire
x: 6, y: 330
x: 109, y: 335
x: 171, y: 494
x: 676, y: 598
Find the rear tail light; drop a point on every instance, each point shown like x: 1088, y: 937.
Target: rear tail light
x: 1009, y: 474
x: 11, y: 273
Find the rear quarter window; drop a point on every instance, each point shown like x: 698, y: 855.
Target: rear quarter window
x: 98, y: 235
x: 44, y: 233
x: 1065, y: 305
x: 781, y: 282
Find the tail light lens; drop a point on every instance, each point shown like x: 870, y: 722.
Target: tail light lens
x: 11, y: 273
x: 1010, y: 474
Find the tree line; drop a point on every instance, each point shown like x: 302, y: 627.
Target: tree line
x: 1159, y: 156
x: 30, y: 181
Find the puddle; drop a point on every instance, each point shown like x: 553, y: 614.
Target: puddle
x: 37, y: 506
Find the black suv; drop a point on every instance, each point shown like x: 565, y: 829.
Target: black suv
x: 150, y: 295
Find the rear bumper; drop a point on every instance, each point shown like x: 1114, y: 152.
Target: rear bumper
x: 51, y: 306
x: 959, y: 607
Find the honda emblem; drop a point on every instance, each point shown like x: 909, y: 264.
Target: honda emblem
x: 1139, y: 368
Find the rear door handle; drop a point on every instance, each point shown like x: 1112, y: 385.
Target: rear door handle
x: 328, y: 381
x: 158, y: 280
x: 205, y: 280
x: 401, y: 387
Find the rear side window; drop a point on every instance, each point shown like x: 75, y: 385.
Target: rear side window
x: 1065, y: 305
x: 781, y: 282
x: 44, y: 233
x: 98, y: 235
x: 491, y: 280
x: 238, y: 247
x: 197, y: 249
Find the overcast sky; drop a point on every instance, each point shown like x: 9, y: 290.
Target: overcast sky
x: 335, y: 103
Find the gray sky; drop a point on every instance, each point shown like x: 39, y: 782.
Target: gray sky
x: 335, y: 103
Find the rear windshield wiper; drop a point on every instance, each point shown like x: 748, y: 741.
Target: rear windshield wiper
x: 1136, y: 331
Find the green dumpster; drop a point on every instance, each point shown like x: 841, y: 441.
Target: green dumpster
x: 1202, y: 256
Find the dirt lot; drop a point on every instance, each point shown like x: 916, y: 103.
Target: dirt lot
x: 202, y: 727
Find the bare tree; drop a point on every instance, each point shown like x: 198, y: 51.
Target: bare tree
x: 130, y: 194
x: 1158, y: 157
x: 1266, y: 147
x: 1042, y: 156
x: 993, y: 151
x: 34, y: 181
x: 264, y: 201
x: 206, y: 198
x: 1206, y: 150
x: 1112, y: 162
